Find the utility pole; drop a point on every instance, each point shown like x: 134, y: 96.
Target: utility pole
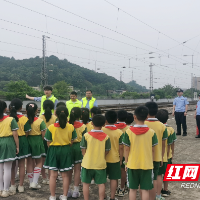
x: 44, y: 76
x: 151, y: 78
x: 120, y: 75
x: 191, y: 80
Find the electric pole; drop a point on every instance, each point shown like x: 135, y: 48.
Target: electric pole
x: 44, y: 76
x: 120, y: 76
x: 151, y: 78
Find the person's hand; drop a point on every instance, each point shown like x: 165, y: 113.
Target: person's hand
x: 27, y: 96
x: 185, y: 113
x: 120, y: 163
x: 161, y: 163
x: 17, y: 150
x: 195, y: 116
x: 126, y: 168
x: 172, y: 113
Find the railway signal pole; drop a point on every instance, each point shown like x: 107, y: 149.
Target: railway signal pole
x: 44, y: 76
x: 151, y: 82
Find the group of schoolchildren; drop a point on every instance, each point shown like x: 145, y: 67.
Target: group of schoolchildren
x: 107, y: 146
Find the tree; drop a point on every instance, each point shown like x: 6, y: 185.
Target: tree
x: 61, y: 90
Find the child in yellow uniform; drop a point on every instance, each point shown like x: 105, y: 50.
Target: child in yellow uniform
x: 81, y: 129
x: 35, y: 139
x: 94, y: 111
x: 24, y: 150
x: 165, y: 192
x: 162, y: 135
x: 59, y: 137
x: 113, y: 159
x: 48, y: 119
x: 129, y: 120
x: 162, y: 116
x: 121, y: 118
x: 140, y: 142
x: 95, y: 146
x: 85, y: 118
x: 9, y: 147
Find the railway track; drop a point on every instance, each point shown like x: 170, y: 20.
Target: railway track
x: 129, y: 107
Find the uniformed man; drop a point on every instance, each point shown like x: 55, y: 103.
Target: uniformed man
x: 73, y: 102
x: 47, y: 96
x: 180, y: 107
x: 89, y: 101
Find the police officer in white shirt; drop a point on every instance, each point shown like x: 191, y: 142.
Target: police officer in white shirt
x: 180, y: 107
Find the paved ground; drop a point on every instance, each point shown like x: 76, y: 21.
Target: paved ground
x: 186, y: 151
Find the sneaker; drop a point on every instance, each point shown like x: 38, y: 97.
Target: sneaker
x: 69, y: 194
x: 178, y: 133
x: 121, y: 193
x: 45, y: 181
x: 184, y: 134
x: 75, y: 194
x: 35, y: 186
x: 62, y: 197
x: 52, y: 198
x: 20, y: 189
x: 12, y: 190
x: 160, y: 198
x: 117, y: 192
x: 92, y: 182
x: 5, y: 193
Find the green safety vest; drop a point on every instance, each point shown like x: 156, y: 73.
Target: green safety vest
x: 91, y: 103
x: 70, y: 104
x: 52, y: 98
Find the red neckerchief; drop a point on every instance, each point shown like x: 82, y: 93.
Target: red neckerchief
x: 111, y: 127
x: 120, y: 125
x: 19, y: 116
x: 35, y: 118
x: 4, y: 117
x: 139, y: 130
x: 57, y: 124
x: 77, y: 124
x: 98, y: 135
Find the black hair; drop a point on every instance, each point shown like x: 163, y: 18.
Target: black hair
x: 73, y: 93
x: 129, y: 119
x: 74, y: 115
x: 89, y: 91
x: 85, y: 115
x: 31, y: 109
x: 3, y: 106
x: 48, y: 87
x: 15, y: 105
x: 98, y: 120
x: 96, y: 110
x: 162, y: 115
x: 62, y: 114
x: 60, y: 104
x: 48, y: 105
x: 153, y: 108
x: 141, y: 113
x: 111, y: 116
x: 122, y: 115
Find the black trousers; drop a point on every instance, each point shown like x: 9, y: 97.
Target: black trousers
x: 198, y: 123
x: 180, y: 119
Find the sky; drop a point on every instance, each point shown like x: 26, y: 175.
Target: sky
x: 108, y: 36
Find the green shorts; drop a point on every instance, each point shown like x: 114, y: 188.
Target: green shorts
x: 113, y: 171
x: 59, y: 158
x: 24, y: 148
x: 36, y: 146
x: 123, y: 166
x: 99, y: 176
x: 162, y: 169
x: 140, y: 177
x: 170, y: 161
x: 77, y: 153
x: 7, y: 149
x: 156, y: 166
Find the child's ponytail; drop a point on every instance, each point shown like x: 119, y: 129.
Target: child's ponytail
x: 74, y: 115
x: 62, y: 114
x: 3, y: 106
x: 48, y: 105
x: 15, y: 105
x: 31, y: 109
x: 85, y: 115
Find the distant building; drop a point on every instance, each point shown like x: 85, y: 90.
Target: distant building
x: 37, y: 88
x: 195, y: 83
x: 71, y: 88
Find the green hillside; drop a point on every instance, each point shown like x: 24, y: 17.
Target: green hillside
x: 79, y: 77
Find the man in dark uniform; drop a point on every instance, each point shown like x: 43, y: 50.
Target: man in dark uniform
x: 180, y: 107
